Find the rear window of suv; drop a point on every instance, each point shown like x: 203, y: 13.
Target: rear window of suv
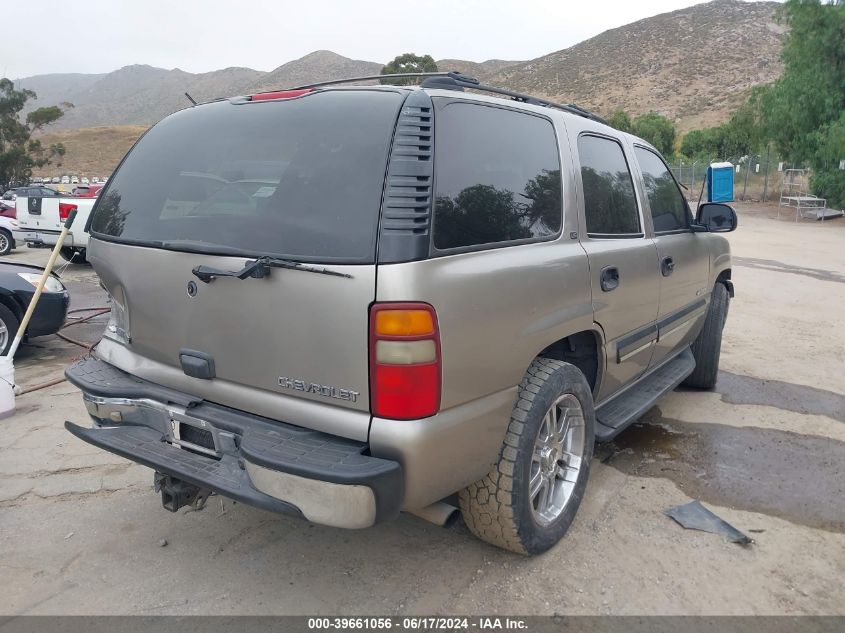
x: 299, y: 178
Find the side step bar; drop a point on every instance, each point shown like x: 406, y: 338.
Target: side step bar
x: 616, y: 415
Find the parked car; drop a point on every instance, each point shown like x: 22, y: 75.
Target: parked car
x: 84, y: 181
x: 42, y: 218
x: 11, y: 236
x: 95, y: 179
x: 409, y: 293
x: 55, y: 180
x: 30, y: 191
x: 65, y: 180
x: 17, y: 286
x: 86, y: 191
x: 74, y: 180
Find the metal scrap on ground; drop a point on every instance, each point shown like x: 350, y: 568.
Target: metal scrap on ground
x: 694, y: 516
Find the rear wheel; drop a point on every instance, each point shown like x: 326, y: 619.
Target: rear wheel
x: 8, y: 328
x: 528, y: 500
x: 707, y: 346
x: 7, y: 242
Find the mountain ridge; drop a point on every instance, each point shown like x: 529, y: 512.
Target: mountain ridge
x: 694, y: 65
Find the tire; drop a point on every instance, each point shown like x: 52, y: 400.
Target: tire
x: 707, y: 346
x: 499, y: 508
x: 8, y: 328
x: 7, y: 242
x: 73, y: 255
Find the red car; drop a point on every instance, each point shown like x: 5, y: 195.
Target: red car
x: 86, y: 191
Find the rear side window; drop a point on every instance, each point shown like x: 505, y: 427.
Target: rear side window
x: 668, y: 207
x: 300, y: 178
x: 610, y: 205
x: 497, y: 177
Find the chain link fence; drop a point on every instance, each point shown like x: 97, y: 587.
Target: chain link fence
x: 757, y: 177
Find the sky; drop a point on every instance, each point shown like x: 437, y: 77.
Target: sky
x: 97, y: 36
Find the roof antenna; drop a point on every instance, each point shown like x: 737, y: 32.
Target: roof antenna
x: 191, y: 99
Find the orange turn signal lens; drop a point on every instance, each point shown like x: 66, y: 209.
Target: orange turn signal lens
x: 404, y: 323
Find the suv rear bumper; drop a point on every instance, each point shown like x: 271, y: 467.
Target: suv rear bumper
x: 266, y: 463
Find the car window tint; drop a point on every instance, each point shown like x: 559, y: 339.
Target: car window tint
x: 298, y: 178
x: 610, y: 205
x: 668, y: 207
x: 497, y: 176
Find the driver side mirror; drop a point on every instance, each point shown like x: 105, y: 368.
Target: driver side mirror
x: 716, y: 218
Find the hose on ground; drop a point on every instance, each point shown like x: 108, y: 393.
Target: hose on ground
x: 87, y: 346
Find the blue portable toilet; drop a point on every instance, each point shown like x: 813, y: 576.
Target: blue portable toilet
x: 720, y: 182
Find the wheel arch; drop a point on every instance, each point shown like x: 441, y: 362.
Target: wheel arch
x: 583, y: 349
x: 9, y: 300
x: 724, y: 278
x: 9, y: 236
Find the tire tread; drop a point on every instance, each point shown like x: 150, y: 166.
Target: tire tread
x: 707, y: 345
x: 487, y: 506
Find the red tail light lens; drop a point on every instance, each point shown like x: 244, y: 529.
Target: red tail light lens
x: 404, y: 361
x: 64, y: 209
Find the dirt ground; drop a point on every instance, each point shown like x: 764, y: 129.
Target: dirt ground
x: 82, y: 532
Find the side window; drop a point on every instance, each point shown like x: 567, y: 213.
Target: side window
x: 609, y: 201
x: 668, y: 207
x: 497, y: 177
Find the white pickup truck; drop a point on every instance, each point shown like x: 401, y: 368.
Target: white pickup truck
x: 41, y: 220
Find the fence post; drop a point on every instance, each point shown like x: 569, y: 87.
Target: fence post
x: 766, y: 176
x: 692, y: 184
x: 747, y: 171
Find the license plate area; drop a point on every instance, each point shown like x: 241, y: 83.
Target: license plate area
x: 194, y: 434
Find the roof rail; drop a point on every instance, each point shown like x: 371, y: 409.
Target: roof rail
x: 454, y: 80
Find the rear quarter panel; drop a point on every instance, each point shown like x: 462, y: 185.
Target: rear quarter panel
x: 497, y: 310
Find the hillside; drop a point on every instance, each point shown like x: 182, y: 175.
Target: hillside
x: 143, y: 95
x: 90, y: 151
x: 478, y: 70
x: 138, y: 95
x: 314, y: 67
x: 694, y: 65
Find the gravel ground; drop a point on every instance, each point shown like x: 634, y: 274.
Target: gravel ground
x: 81, y: 531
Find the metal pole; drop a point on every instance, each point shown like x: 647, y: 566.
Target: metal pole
x: 692, y: 185
x: 766, y: 176
x: 747, y: 171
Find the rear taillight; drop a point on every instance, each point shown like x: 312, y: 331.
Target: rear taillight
x: 64, y: 209
x: 404, y: 361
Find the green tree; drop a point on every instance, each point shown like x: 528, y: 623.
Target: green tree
x: 695, y: 143
x: 408, y: 63
x: 657, y: 130
x: 803, y: 112
x: 18, y: 152
x: 742, y: 135
x: 620, y: 120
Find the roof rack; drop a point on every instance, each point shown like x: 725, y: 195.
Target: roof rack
x: 454, y: 80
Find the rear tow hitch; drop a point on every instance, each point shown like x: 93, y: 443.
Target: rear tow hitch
x: 176, y: 493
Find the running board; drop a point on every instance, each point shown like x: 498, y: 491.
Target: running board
x: 615, y: 416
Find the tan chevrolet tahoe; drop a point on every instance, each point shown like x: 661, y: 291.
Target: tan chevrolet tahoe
x: 345, y: 301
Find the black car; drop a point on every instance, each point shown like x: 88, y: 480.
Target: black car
x: 17, y: 285
x: 33, y: 191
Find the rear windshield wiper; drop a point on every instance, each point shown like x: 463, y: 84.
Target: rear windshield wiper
x: 260, y: 268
